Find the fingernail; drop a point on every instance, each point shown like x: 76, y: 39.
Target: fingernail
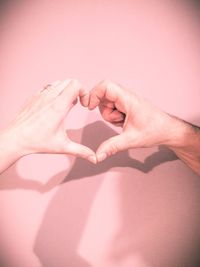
x: 92, y: 159
x: 101, y: 157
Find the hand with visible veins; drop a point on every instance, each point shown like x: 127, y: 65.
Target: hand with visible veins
x: 39, y: 126
x: 143, y: 125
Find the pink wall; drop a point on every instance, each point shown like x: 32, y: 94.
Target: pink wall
x: 138, y: 209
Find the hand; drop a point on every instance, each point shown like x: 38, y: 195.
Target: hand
x: 143, y: 125
x: 39, y: 127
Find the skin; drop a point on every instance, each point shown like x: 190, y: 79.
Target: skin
x: 39, y: 126
x: 143, y: 125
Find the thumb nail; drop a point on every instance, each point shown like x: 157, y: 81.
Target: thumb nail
x: 101, y: 157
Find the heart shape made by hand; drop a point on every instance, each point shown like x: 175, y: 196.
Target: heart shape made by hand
x: 112, y: 108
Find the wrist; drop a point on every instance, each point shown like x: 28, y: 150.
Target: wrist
x: 181, y: 134
x: 9, y: 144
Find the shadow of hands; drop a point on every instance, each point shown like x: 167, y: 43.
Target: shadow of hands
x: 92, y: 135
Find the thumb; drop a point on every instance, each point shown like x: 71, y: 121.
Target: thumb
x: 112, y: 146
x: 81, y: 151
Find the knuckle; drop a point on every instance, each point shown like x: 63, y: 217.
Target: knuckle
x: 112, y: 86
x: 75, y: 83
x: 107, y: 83
x: 113, y: 149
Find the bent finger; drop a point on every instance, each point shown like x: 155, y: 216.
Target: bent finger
x: 105, y: 91
x: 84, y: 97
x: 111, y: 115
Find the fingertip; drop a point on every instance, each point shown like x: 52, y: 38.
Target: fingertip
x: 92, y: 159
x: 93, y: 102
x: 118, y: 117
x: 74, y: 83
x: 84, y: 97
x: 101, y: 156
x: 79, y: 150
x: 65, y: 83
x: 91, y: 107
x: 111, y: 146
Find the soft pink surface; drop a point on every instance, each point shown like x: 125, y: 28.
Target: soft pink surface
x: 141, y: 207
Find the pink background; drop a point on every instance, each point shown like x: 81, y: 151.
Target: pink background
x: 140, y: 208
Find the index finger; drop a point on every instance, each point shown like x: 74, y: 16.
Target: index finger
x: 67, y: 97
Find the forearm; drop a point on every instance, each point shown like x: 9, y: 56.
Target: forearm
x: 10, y: 151
x: 185, y: 142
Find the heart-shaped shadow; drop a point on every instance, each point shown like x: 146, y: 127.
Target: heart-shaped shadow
x: 66, y: 217
x: 91, y: 135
